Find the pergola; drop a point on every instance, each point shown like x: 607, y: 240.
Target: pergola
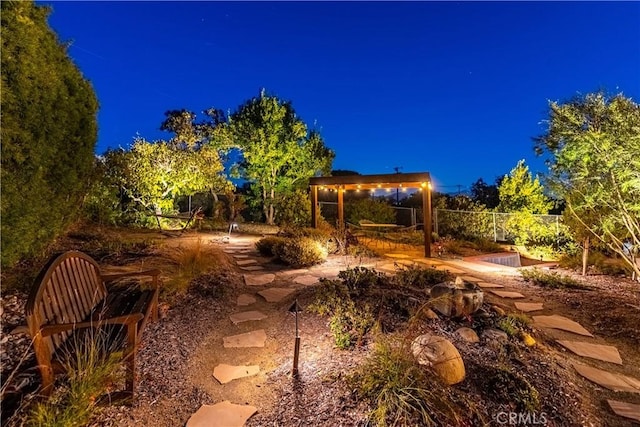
x: 420, y: 180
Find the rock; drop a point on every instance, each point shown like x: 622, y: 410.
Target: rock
x: 494, y: 335
x: 456, y: 300
x: 468, y: 334
x: 527, y: 339
x: 482, y: 314
x: 498, y: 310
x: 440, y: 355
x: 430, y: 314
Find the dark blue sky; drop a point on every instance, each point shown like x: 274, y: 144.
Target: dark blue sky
x: 456, y: 89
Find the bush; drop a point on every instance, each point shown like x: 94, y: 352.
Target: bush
x: 266, y: 246
x: 300, y: 252
x: 368, y: 209
x: 294, y: 209
x: 401, y: 392
x: 552, y: 280
x: 48, y: 131
x: 420, y: 277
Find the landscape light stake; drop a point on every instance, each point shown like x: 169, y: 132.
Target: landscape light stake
x: 295, y: 308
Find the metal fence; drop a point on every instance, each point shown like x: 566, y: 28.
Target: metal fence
x: 497, y: 226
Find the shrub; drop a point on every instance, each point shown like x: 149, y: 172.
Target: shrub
x: 372, y: 210
x: 401, y: 392
x: 301, y: 252
x: 508, y: 386
x: 487, y: 245
x: 552, y: 280
x: 359, y: 280
x: 294, y: 209
x: 266, y: 246
x: 420, y: 277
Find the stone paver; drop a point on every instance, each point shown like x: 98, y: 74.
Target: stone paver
x: 275, y: 294
x: 508, y: 294
x: 248, y: 339
x: 246, y: 261
x: 227, y: 373
x: 246, y: 316
x: 529, y: 306
x: 624, y: 409
x: 293, y: 272
x: 306, y: 280
x: 487, y: 285
x: 259, y: 279
x: 470, y: 279
x: 223, y: 414
x: 606, y: 353
x: 240, y: 256
x: 615, y: 382
x: 560, y: 322
x: 246, y: 299
x: 252, y: 268
x: 451, y: 270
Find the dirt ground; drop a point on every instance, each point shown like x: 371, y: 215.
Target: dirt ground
x: 179, y: 352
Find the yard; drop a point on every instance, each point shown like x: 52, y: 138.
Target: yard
x: 203, y: 278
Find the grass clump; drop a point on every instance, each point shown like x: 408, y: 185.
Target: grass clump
x: 92, y: 367
x: 552, y: 280
x: 508, y: 386
x: 401, y: 392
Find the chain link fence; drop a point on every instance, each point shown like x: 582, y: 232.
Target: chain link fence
x: 496, y: 226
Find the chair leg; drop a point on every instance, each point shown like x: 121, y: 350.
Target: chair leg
x: 132, y: 341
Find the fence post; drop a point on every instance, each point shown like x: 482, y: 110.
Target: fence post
x: 435, y: 221
x: 495, y: 230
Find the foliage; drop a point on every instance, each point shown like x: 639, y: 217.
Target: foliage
x: 594, y: 143
x: 419, y: 277
x: 48, y: 131
x: 513, y: 324
x: 91, y: 369
x: 350, y: 323
x: 300, y: 252
x: 401, y: 392
x: 359, y: 280
x: 279, y: 154
x: 267, y: 245
x: 468, y: 224
x: 293, y: 208
x: 154, y: 174
x: 485, y: 194
x: 520, y: 192
x: 376, y: 211
x: 600, y: 262
x: 552, y: 280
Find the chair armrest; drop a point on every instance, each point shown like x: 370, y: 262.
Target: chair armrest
x: 64, y: 327
x: 117, y: 276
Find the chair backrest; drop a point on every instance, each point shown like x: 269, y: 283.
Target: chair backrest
x: 67, y: 289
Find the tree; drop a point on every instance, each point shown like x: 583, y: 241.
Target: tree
x: 523, y: 196
x: 594, y: 165
x: 279, y: 155
x: 48, y: 132
x: 153, y: 174
x: 520, y: 192
x: 486, y: 194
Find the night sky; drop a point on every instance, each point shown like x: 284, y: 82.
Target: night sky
x: 455, y: 89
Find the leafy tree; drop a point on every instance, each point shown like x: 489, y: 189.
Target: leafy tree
x: 594, y: 143
x: 48, y: 132
x: 484, y: 193
x: 377, y: 211
x: 520, y: 192
x: 279, y: 154
x: 154, y: 174
x: 523, y: 196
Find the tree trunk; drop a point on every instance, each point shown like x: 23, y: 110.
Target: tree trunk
x: 585, y: 255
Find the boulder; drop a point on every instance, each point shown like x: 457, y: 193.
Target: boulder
x: 468, y: 334
x: 441, y: 355
x: 494, y: 336
x: 456, y: 299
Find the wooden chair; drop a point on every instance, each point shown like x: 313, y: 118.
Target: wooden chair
x: 70, y: 297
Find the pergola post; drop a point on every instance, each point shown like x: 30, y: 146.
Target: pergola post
x: 314, y: 206
x: 340, y: 207
x: 426, y: 214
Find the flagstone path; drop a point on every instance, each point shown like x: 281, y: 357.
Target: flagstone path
x: 277, y: 285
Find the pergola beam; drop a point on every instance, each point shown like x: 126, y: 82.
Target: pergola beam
x: 340, y: 184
